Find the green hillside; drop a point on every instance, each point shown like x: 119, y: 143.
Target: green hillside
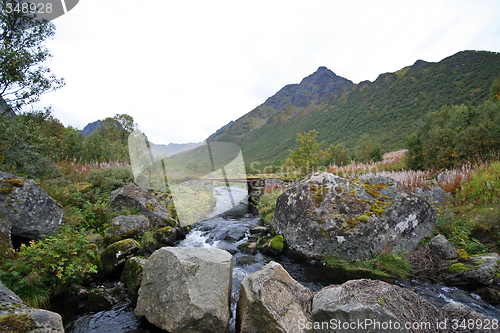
x: 386, y: 109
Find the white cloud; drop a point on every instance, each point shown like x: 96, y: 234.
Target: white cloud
x: 183, y: 69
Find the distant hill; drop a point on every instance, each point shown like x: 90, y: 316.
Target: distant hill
x: 341, y: 111
x: 87, y: 130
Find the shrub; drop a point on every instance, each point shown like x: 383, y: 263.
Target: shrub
x: 37, y: 268
x: 267, y: 204
x: 458, y: 230
x: 483, y: 187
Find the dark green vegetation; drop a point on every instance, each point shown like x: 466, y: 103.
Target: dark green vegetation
x: 471, y: 220
x: 455, y: 135
x: 341, y: 112
x: 23, y: 76
x: 31, y: 142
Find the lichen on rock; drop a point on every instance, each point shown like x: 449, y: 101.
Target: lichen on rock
x: 351, y: 218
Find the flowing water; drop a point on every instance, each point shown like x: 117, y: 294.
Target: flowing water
x: 227, y: 231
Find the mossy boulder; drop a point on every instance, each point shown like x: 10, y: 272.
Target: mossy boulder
x: 351, y: 218
x: 475, y: 272
x: 132, y: 276
x: 126, y: 226
x: 133, y: 197
x: 166, y: 235
x: 114, y: 256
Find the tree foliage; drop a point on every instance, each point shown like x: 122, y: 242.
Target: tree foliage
x: 23, y: 76
x: 455, y: 135
x: 306, y: 155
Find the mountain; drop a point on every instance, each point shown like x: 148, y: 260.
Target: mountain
x: 386, y: 109
x: 87, y: 130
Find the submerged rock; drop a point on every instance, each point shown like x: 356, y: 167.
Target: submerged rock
x: 272, y: 301
x: 185, y: 289
x: 351, y: 219
x: 29, y: 210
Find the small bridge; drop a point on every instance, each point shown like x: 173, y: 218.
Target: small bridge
x: 255, y: 186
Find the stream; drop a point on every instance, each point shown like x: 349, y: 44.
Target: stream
x: 227, y: 231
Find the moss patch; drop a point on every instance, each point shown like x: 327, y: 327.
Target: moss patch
x: 17, y: 323
x: 460, y: 267
x: 277, y: 242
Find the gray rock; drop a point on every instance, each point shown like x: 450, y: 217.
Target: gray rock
x: 187, y: 289
x: 351, y: 219
x: 126, y: 226
x: 459, y: 313
x: 478, y: 271
x: 5, y: 239
x: 259, y: 230
x: 31, y: 212
x: 114, y: 256
x: 443, y: 248
x: 154, y: 209
x: 272, y: 301
x: 45, y: 321
x: 103, y: 298
x: 368, y: 302
x: 436, y: 196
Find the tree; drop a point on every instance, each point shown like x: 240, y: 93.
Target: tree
x: 306, y: 155
x: 23, y: 78
x: 338, y: 155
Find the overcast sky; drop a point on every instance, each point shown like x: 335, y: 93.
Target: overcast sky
x: 183, y: 69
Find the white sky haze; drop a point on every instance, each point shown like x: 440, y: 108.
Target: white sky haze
x: 183, y: 69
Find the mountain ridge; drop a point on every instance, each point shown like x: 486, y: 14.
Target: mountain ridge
x: 386, y: 109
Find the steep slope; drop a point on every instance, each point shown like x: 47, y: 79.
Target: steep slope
x: 292, y: 99
x: 386, y: 109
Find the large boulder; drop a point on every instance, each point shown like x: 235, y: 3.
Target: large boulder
x: 30, y: 211
x: 14, y: 312
x: 187, y: 289
x: 272, y: 301
x: 358, y: 305
x: 351, y: 219
x: 132, y: 197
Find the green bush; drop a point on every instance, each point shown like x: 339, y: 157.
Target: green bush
x: 458, y: 230
x: 455, y: 135
x: 267, y: 204
x: 39, y: 267
x: 483, y: 187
